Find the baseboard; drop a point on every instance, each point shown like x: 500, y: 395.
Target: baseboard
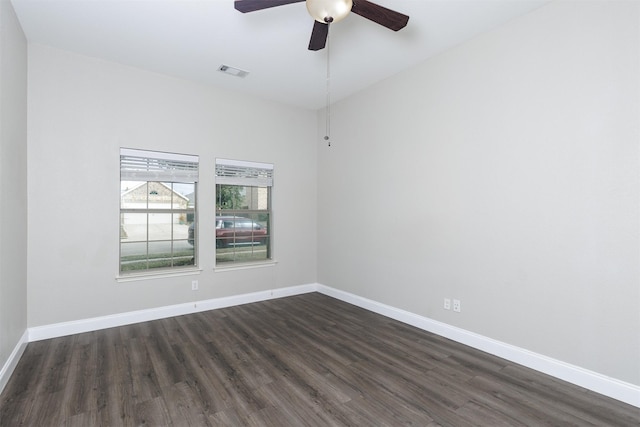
x: 611, y: 387
x: 13, y: 360
x: 96, y: 323
x: 607, y: 386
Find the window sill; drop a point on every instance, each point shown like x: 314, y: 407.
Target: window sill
x: 157, y: 275
x: 245, y: 266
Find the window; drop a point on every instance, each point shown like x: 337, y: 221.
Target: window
x: 157, y: 211
x: 243, y: 211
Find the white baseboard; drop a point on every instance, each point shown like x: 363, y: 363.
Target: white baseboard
x: 12, y: 361
x: 93, y: 324
x: 611, y: 387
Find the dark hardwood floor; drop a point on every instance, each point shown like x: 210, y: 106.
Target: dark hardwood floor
x: 306, y: 360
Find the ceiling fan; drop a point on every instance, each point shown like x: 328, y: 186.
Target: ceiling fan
x: 325, y: 12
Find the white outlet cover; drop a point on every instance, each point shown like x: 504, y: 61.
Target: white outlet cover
x: 447, y: 304
x: 456, y: 305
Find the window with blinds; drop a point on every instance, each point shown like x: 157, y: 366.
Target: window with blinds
x: 243, y: 211
x: 158, y: 221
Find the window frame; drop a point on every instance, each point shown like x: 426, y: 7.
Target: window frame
x: 251, y: 176
x: 163, y: 171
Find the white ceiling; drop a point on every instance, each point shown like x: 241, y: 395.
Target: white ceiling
x: 191, y: 38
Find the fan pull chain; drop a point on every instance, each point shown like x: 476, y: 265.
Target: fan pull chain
x: 328, y: 109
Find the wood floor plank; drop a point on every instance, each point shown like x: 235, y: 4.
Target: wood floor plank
x: 525, y: 403
x: 306, y: 360
x: 165, y: 364
x: 56, y: 366
x: 302, y: 404
x: 117, y: 405
x: 153, y: 412
x: 80, y: 395
x: 183, y: 406
x: 82, y: 419
x: 514, y: 408
x: 212, y: 397
x: 142, y: 373
x: 569, y: 398
x: 482, y: 415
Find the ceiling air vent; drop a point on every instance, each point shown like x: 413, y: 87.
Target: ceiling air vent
x: 233, y: 71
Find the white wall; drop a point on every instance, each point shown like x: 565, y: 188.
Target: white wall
x: 504, y: 173
x: 81, y: 111
x: 13, y: 183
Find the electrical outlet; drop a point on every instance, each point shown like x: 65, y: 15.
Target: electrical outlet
x: 194, y: 285
x: 456, y: 305
x: 447, y: 304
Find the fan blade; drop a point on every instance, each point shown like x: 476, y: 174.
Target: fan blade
x: 245, y: 6
x: 318, y: 36
x: 386, y: 17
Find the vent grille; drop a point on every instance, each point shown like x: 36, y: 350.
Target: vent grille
x: 233, y: 71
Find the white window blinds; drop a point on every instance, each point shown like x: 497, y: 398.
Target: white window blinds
x: 237, y: 172
x: 141, y: 165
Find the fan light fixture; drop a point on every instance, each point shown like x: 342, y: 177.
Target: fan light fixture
x: 326, y: 11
